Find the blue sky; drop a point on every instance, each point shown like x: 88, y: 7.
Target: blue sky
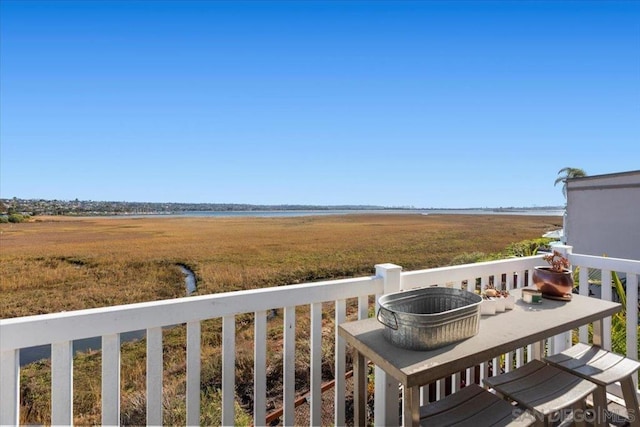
x: 426, y: 104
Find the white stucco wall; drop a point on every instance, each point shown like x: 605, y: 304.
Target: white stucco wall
x: 603, y: 215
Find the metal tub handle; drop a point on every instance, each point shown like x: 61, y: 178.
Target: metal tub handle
x: 381, y: 316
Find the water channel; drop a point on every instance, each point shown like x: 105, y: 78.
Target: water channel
x: 33, y: 354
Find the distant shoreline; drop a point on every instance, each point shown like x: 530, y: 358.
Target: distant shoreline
x: 38, y: 207
x: 323, y: 212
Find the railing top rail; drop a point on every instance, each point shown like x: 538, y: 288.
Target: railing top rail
x: 457, y: 273
x: 58, y: 327
x: 498, y: 264
x: 606, y: 263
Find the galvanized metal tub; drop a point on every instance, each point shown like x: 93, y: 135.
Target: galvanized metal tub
x: 428, y: 318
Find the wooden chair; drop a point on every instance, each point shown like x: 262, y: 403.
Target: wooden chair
x: 603, y: 368
x: 545, y: 390
x: 473, y: 406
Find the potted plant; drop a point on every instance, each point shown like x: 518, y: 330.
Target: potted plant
x: 556, y: 279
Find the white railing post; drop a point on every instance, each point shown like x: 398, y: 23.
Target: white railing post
x: 386, y: 387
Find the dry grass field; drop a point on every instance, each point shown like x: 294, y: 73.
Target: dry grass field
x: 61, y: 263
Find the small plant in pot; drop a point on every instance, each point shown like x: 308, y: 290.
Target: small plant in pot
x: 556, y: 279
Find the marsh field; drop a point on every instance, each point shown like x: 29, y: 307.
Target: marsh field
x: 62, y: 263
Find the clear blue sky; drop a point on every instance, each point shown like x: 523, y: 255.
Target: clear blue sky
x: 425, y: 104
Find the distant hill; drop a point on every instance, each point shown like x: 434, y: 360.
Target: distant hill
x: 90, y: 207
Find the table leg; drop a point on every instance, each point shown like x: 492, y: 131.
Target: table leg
x: 360, y: 389
x: 600, y: 406
x: 630, y: 395
x: 598, y: 327
x: 411, y: 406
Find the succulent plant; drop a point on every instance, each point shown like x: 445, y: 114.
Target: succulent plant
x: 557, y: 261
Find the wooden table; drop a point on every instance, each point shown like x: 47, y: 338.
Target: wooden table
x: 500, y: 333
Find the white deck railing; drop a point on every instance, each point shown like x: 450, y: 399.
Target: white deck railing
x: 61, y: 329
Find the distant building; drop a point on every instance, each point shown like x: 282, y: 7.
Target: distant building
x: 603, y: 215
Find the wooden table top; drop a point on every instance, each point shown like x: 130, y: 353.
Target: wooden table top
x: 498, y: 334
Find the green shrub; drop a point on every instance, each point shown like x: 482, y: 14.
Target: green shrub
x: 528, y: 247
x: 16, y: 218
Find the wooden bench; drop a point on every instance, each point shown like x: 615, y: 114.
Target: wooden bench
x: 545, y: 390
x: 473, y: 406
x: 603, y: 368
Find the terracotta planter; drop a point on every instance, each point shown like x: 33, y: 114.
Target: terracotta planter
x: 551, y: 282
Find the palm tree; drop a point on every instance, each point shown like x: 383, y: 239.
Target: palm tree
x: 567, y: 173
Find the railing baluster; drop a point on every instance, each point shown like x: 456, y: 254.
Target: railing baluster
x: 484, y: 366
x: 606, y: 295
x: 10, y: 387
x: 363, y: 307
x: 471, y: 284
x: 508, y: 358
x: 455, y: 382
x: 111, y: 379
x: 315, y: 418
x: 583, y: 289
x: 508, y: 361
x: 484, y: 371
x: 363, y: 313
x: 632, y: 319
x: 289, y: 380
x: 468, y: 373
x: 530, y: 351
x: 154, y: 376
x: 632, y: 316
x: 62, y: 383
x: 440, y: 388
x: 521, y: 277
x: 193, y: 373
x: 520, y: 360
x: 228, y: 370
x: 340, y: 363
x: 260, y: 369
